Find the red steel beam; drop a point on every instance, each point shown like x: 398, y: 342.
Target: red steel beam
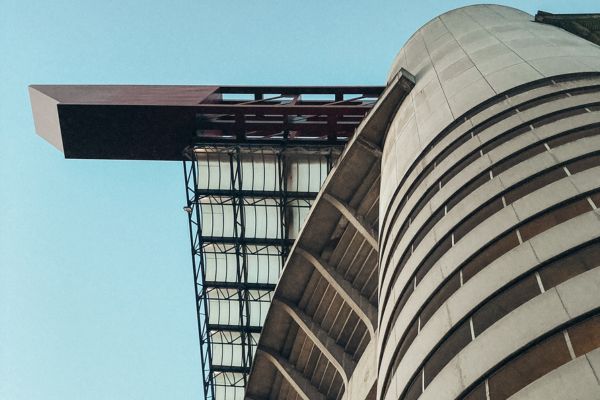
x: 158, y: 122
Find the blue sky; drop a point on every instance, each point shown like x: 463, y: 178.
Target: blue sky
x: 96, y: 289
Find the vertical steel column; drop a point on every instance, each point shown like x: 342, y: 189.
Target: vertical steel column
x: 241, y: 257
x: 283, y: 204
x: 195, y: 230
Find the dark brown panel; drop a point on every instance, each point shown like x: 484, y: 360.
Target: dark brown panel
x: 585, y: 336
x: 596, y: 199
x: 572, y: 136
x: 439, y: 298
x: 411, y: 334
x: 459, y: 167
x: 543, y: 100
x: 424, y: 200
x: 552, y: 218
x: 504, y: 302
x: 126, y: 132
x: 455, y: 145
x: 477, y: 218
x: 468, y: 189
x: 414, y: 389
x: 583, y: 164
x: 516, y: 159
x: 450, y: 347
x: 494, y: 120
x: 478, y: 393
x: 534, y: 184
x: 439, y: 214
x: 560, y: 115
x: 505, y: 137
x: 572, y: 265
x: 529, y: 366
x: 403, y: 299
x: 441, y: 248
x: 499, y: 247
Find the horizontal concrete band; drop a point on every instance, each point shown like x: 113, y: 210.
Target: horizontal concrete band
x: 583, y: 182
x: 472, y: 147
x: 428, y: 159
x: 543, y: 314
x: 530, y: 255
x: 502, y: 184
x: 404, y: 213
x: 577, y: 376
x: 490, y: 190
x: 476, y: 120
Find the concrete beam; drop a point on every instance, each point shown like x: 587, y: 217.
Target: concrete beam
x: 305, y: 389
x: 372, y: 148
x: 336, y: 355
x: 357, y: 302
x: 355, y: 219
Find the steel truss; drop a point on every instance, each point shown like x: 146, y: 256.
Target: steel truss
x: 246, y: 203
x: 258, y: 158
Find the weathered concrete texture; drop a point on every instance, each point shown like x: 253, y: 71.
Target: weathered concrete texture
x: 319, y: 337
x: 489, y: 172
x: 576, y: 376
x: 470, y: 54
x: 363, y: 384
x: 517, y: 101
x: 527, y: 323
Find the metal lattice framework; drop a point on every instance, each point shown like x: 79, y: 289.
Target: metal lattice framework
x: 254, y: 160
x: 257, y: 162
x: 246, y: 205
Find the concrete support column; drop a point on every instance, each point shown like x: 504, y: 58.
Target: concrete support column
x: 301, y: 385
x: 359, y: 304
x: 336, y: 355
x: 355, y: 219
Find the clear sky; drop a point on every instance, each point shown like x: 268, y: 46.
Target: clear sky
x: 96, y: 288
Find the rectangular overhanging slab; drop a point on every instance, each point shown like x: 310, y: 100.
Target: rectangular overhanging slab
x: 137, y: 122
x: 117, y: 121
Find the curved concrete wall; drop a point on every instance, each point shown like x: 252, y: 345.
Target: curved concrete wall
x: 468, y: 55
x: 489, y: 239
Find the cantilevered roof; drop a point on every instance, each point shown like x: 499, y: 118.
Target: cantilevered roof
x: 586, y: 26
x: 141, y: 122
x: 324, y: 312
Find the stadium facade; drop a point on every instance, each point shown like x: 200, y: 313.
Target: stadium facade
x: 441, y: 235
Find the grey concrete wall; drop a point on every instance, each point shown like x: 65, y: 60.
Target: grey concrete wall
x: 466, y: 56
x: 490, y: 172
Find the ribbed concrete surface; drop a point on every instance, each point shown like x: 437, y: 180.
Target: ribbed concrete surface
x: 489, y: 238
x: 319, y: 337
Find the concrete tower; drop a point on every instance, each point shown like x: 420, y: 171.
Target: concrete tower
x: 490, y: 189
x: 477, y: 192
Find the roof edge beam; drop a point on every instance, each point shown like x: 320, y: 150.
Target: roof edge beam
x: 371, y: 147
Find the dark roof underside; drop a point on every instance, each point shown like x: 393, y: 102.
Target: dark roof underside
x: 586, y: 26
x: 136, y: 122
